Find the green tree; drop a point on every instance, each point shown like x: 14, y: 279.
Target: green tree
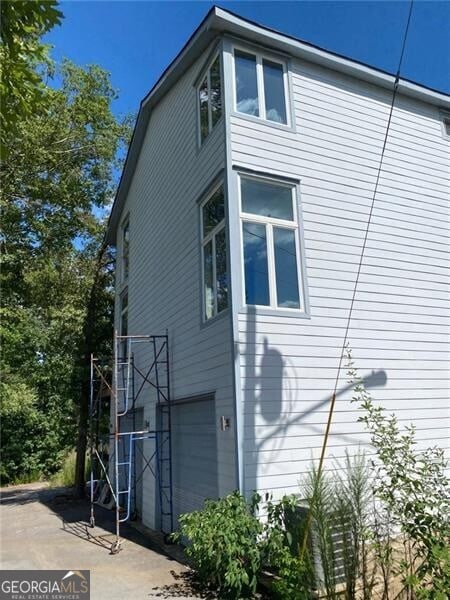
x: 58, y: 178
x: 22, y: 57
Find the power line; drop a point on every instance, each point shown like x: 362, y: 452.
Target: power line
x: 344, y: 343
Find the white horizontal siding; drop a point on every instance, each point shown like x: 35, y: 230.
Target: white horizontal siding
x: 401, y: 317
x: 165, y: 283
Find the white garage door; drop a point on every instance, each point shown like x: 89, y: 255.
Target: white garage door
x: 194, y: 455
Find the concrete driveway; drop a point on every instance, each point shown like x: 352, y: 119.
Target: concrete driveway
x: 43, y: 528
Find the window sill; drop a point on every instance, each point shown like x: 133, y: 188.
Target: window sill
x: 263, y: 122
x: 264, y: 311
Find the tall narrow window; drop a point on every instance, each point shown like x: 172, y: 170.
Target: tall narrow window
x: 246, y: 84
x: 274, y: 91
x: 214, y: 255
x: 260, y: 85
x: 125, y: 250
x: 270, y: 243
x: 210, y: 99
x: 123, y: 325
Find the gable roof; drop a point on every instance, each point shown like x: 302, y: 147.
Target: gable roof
x: 219, y: 21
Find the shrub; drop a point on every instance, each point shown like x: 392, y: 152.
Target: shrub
x: 23, y: 431
x: 414, y: 491
x: 223, y: 544
x: 281, y: 544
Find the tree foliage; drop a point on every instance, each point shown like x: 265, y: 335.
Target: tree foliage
x: 22, y: 56
x: 58, y: 178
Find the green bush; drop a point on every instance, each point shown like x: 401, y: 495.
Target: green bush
x: 414, y: 492
x: 229, y: 546
x: 22, y: 434
x: 223, y: 544
x: 281, y: 546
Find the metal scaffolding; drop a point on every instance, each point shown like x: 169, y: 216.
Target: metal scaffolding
x: 117, y: 385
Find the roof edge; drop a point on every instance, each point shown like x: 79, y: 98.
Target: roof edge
x: 220, y: 21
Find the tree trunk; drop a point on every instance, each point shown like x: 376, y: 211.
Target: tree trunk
x: 87, y: 346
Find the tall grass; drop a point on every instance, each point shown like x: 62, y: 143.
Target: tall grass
x: 65, y: 477
x: 340, y: 501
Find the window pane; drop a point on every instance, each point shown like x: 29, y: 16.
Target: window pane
x: 274, y: 92
x: 124, y: 322
x: 221, y: 271
x: 255, y: 264
x: 126, y: 250
x: 215, y: 91
x: 286, y: 268
x: 246, y: 84
x: 124, y: 301
x: 213, y: 211
x: 203, y: 100
x: 267, y: 199
x: 447, y: 126
x: 208, y: 280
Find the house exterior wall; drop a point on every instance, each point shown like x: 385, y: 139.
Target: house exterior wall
x: 164, y: 287
x: 277, y: 371
x: 287, y: 365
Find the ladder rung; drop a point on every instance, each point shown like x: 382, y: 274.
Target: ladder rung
x: 124, y: 491
x: 121, y: 464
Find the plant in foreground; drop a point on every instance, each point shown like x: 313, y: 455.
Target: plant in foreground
x: 412, y: 486
x: 223, y: 544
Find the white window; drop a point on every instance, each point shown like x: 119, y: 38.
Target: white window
x: 125, y: 250
x: 210, y: 99
x: 270, y: 243
x: 261, y: 86
x: 446, y: 126
x: 214, y: 254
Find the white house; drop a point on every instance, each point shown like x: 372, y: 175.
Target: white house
x: 239, y: 223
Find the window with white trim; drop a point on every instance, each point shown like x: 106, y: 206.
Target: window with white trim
x: 261, y: 86
x: 270, y: 243
x: 214, y: 255
x: 210, y: 99
x: 446, y: 126
x: 125, y: 250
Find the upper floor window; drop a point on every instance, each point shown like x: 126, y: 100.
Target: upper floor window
x: 210, y: 98
x: 125, y: 250
x: 270, y: 243
x: 123, y: 321
x: 261, y: 86
x: 214, y: 254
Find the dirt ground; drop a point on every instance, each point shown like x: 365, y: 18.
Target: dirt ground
x: 43, y: 528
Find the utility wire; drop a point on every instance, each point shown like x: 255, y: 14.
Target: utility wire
x: 344, y: 343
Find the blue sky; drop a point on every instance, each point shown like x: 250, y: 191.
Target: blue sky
x: 136, y: 40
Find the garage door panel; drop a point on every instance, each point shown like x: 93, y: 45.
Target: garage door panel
x: 194, y: 455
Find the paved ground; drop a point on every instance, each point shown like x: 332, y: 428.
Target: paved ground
x: 43, y: 528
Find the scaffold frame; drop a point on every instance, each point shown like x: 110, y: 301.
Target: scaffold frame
x: 120, y: 382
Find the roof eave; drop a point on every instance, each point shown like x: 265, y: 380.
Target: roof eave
x: 194, y: 47
x: 219, y: 22
x: 235, y: 25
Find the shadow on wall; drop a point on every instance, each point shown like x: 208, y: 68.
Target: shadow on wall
x: 272, y: 404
